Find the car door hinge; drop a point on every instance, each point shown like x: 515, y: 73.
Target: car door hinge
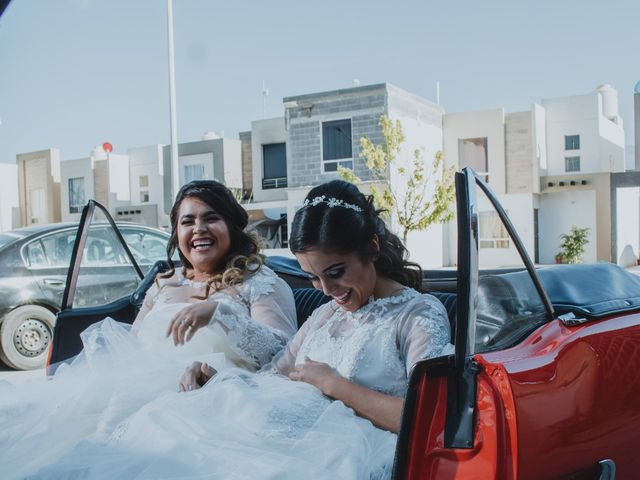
x: 570, y: 320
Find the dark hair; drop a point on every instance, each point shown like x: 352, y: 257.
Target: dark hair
x: 344, y: 229
x: 243, y: 253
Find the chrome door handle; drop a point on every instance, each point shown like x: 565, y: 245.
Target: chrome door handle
x: 54, y: 282
x: 607, y: 469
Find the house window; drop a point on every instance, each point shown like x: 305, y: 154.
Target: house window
x: 336, y: 145
x: 473, y: 152
x: 572, y: 142
x: 144, y: 180
x: 76, y: 194
x: 193, y: 172
x: 274, y: 163
x: 493, y: 233
x: 144, y: 197
x: 571, y: 164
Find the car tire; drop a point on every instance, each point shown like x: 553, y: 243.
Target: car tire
x: 25, y: 336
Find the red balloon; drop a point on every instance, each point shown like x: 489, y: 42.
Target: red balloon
x: 107, y: 147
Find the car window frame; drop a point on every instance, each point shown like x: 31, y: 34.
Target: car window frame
x: 461, y: 398
x: 79, y: 245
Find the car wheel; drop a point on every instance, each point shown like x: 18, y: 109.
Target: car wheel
x: 25, y: 335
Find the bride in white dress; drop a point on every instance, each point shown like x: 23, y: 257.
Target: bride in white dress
x: 249, y: 314
x: 327, y: 406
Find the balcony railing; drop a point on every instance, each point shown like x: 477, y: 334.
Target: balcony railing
x: 269, y: 183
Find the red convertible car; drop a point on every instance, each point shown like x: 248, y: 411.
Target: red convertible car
x: 545, y: 379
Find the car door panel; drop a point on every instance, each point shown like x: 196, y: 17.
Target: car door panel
x: 554, y: 398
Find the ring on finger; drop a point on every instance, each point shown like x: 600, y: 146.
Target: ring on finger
x: 186, y: 323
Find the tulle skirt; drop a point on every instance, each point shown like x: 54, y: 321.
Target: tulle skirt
x: 114, y: 376
x: 239, y: 426
x: 115, y: 413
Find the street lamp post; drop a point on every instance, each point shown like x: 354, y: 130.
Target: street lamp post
x: 175, y: 181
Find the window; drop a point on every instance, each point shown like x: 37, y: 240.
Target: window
x: 571, y: 164
x: 572, y: 142
x: 144, y: 180
x: 274, y: 162
x: 76, y: 195
x: 193, y: 172
x: 57, y: 248
x: 336, y: 145
x: 144, y: 197
x: 473, y: 152
x: 146, y: 247
x: 493, y: 233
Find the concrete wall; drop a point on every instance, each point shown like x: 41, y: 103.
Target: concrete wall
x: 489, y: 124
x: 519, y: 208
x: 265, y: 132
x: 39, y: 177
x: 304, y: 115
x: 601, y: 139
x: 9, y: 199
x: 522, y: 172
x: 247, y: 167
x: 217, y: 155
x: 78, y: 168
x: 147, y: 161
x: 623, y: 216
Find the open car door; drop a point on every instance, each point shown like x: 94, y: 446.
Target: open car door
x: 104, y: 280
x: 541, y: 385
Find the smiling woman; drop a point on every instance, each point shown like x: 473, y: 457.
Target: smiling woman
x: 337, y: 387
x: 222, y: 305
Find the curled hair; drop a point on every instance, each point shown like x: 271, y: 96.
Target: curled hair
x: 243, y: 256
x: 321, y: 225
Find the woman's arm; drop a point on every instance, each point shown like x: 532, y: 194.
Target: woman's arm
x: 385, y: 411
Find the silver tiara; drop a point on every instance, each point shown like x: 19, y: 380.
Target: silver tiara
x: 331, y: 202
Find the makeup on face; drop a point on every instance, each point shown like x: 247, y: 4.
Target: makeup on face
x: 203, y: 236
x: 347, y: 278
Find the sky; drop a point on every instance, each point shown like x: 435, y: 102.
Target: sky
x: 77, y: 73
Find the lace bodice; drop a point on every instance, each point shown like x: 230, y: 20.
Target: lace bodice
x: 257, y: 317
x: 375, y: 346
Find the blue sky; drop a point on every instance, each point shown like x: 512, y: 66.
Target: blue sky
x: 76, y: 73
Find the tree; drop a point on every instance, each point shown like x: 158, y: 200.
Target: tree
x: 573, y: 244
x: 430, y: 190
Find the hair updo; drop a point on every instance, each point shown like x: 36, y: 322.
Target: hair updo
x: 345, y: 221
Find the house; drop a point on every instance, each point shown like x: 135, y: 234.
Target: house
x: 39, y: 186
x: 9, y: 202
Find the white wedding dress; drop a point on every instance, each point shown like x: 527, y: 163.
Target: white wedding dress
x: 118, y: 372
x: 244, y: 425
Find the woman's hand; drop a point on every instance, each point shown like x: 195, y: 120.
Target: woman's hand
x: 195, y: 376
x: 318, y: 374
x: 187, y: 321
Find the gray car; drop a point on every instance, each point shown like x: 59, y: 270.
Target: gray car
x: 34, y: 262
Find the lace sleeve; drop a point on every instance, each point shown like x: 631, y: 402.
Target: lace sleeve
x: 147, y: 305
x: 424, y: 332
x: 258, y: 334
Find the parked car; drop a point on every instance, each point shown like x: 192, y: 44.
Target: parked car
x: 544, y: 381
x: 34, y: 262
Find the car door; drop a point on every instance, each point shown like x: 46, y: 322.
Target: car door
x: 104, y: 280
x: 528, y: 394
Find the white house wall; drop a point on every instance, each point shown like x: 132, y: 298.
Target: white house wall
x: 265, y: 132
x: 147, y: 161
x: 489, y: 124
x: 9, y: 203
x: 558, y: 212
x: 232, y: 163
x: 627, y: 221
x: 601, y: 140
x: 519, y: 208
x: 77, y: 168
